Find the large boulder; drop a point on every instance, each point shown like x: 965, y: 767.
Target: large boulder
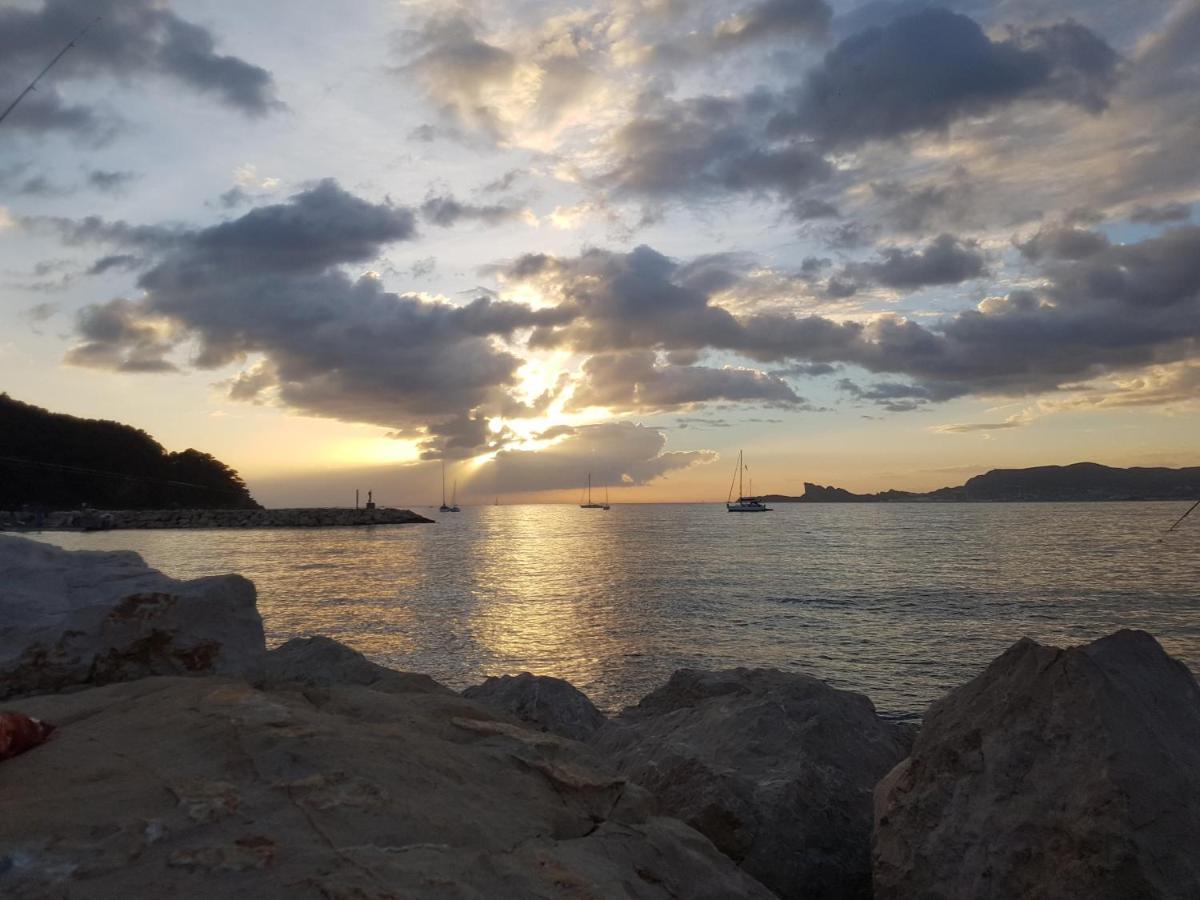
x: 1054, y: 774
x: 549, y: 704
x: 775, y: 768
x: 322, y: 662
x: 88, y: 617
x: 198, y: 788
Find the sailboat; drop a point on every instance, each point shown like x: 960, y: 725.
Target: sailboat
x: 590, y: 504
x: 453, y: 507
x: 743, y: 503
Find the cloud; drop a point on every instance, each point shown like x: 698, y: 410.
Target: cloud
x: 268, y: 286
x: 1121, y: 307
x: 133, y: 38
x: 444, y: 211
x: 944, y: 260
x: 110, y: 182
x: 922, y: 72
x: 1063, y: 242
x: 615, y: 453
x: 773, y: 19
x: 1158, y: 215
x: 635, y: 382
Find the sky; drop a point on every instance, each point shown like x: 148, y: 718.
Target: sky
x: 874, y: 245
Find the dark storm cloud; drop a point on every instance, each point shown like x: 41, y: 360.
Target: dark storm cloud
x: 134, y: 37
x: 921, y: 72
x: 944, y: 260
x: 444, y: 211
x: 616, y: 453
x: 269, y: 285
x: 635, y: 382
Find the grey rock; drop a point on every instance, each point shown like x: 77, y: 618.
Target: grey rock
x: 777, y: 769
x: 84, y: 617
x: 1053, y: 774
x: 201, y: 788
x: 324, y: 662
x: 549, y: 704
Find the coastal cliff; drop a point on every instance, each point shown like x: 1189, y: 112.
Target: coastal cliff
x: 1077, y: 482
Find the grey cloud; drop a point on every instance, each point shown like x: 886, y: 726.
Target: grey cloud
x: 772, y: 19
x: 444, y: 211
x: 1121, y: 307
x: 616, y: 453
x: 110, y: 182
x: 1063, y: 243
x: 944, y: 260
x: 1157, y: 215
x: 134, y: 37
x: 636, y: 382
x: 268, y: 285
x: 118, y: 335
x: 921, y: 72
x: 116, y: 261
x: 688, y: 149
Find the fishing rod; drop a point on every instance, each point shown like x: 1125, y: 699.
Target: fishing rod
x: 1184, y: 516
x: 61, y: 53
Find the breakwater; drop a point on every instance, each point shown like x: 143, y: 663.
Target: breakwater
x: 76, y: 520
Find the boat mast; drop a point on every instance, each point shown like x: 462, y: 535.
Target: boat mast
x: 741, y: 469
x: 589, y: 488
x: 443, y: 482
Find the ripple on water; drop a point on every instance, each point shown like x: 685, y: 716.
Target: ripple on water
x: 899, y: 601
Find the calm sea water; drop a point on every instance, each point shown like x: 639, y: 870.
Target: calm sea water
x: 901, y: 602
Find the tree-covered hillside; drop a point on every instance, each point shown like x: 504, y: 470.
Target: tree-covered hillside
x: 62, y: 462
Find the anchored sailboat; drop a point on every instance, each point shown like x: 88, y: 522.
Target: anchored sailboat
x: 589, y: 504
x: 743, y: 503
x: 453, y: 507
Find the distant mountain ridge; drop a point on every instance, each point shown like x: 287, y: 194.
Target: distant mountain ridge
x: 1079, y: 481
x: 57, y: 461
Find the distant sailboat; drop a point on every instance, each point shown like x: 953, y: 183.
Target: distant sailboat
x: 590, y: 504
x: 453, y: 507
x: 744, y: 503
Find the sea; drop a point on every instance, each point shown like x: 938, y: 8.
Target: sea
x: 902, y: 602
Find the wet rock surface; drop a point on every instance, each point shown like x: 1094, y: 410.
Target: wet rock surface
x: 542, y: 702
x: 777, y: 769
x: 71, y: 618
x: 1053, y: 774
x: 194, y: 788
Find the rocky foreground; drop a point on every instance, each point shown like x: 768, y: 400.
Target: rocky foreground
x: 333, y: 517
x: 188, y: 761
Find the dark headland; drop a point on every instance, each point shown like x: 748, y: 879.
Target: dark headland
x: 61, y: 472
x: 1077, y: 482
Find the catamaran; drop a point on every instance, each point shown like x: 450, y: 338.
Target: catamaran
x: 743, y: 503
x: 590, y: 504
x: 453, y: 507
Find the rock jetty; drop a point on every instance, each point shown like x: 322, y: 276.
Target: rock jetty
x: 74, y: 520
x: 309, y: 771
